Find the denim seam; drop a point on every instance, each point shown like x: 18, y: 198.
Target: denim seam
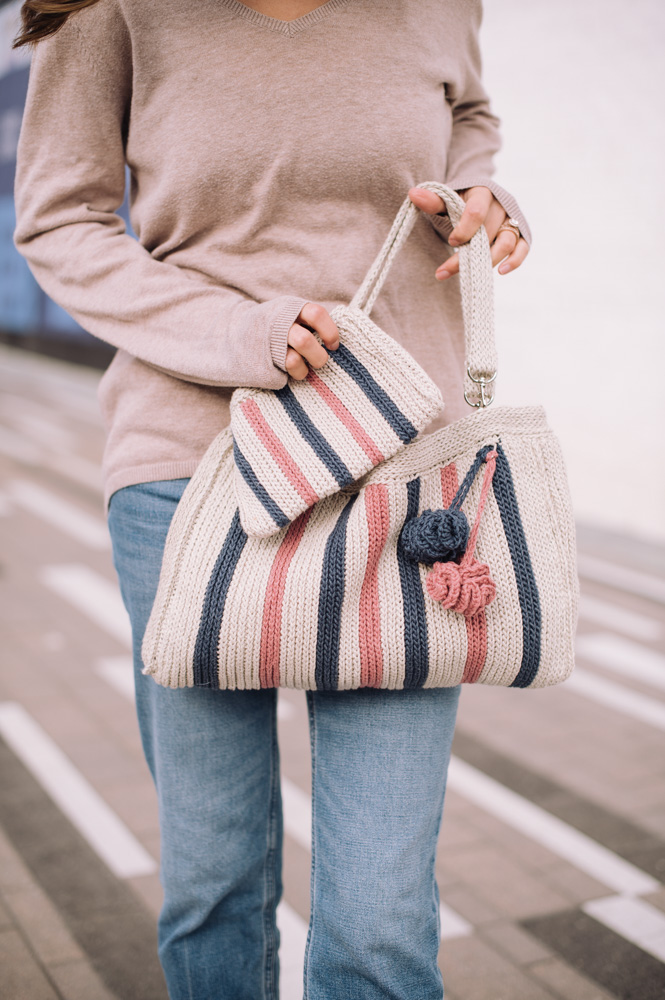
x: 312, y: 886
x: 270, y: 986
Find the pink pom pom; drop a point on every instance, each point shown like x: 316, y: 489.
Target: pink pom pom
x: 466, y: 588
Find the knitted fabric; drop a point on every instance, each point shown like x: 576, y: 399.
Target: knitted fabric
x: 333, y: 602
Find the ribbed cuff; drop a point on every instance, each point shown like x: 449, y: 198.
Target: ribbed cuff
x: 444, y: 226
x: 282, y: 322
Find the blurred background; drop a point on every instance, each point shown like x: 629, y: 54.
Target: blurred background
x: 551, y: 863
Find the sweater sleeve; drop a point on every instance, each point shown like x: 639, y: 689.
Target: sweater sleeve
x: 475, y: 136
x: 70, y: 182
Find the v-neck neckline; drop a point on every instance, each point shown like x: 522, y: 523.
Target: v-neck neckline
x: 285, y: 27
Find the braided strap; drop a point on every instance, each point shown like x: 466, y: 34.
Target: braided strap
x: 476, y: 285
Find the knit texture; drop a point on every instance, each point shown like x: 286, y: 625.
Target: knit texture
x: 267, y: 160
x: 333, y: 601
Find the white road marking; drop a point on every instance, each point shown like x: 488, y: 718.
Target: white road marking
x: 557, y: 836
x: 6, y: 506
x: 618, y: 697
x: 621, y: 578
x: 452, y: 924
x: 634, y: 919
x: 92, y: 594
x: 16, y: 447
x: 77, y: 799
x: 20, y: 449
x: 293, y: 933
x: 118, y: 671
x: 623, y: 657
x: 75, y: 522
x: 614, y: 617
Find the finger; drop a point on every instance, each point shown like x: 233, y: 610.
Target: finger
x: 473, y: 217
x: 495, y: 218
x: 428, y: 201
x: 448, y: 268
x: 307, y: 346
x: 295, y: 365
x: 516, y: 258
x: 503, y: 245
x: 318, y: 317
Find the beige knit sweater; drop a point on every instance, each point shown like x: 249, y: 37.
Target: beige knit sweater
x: 267, y: 160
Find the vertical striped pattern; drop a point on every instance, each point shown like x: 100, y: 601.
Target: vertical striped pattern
x: 369, y: 616
x: 504, y: 491
x: 275, y: 447
x: 375, y: 393
x: 415, y: 620
x: 271, y: 625
x: 476, y: 626
x: 206, y: 672
x: 258, y: 489
x: 333, y: 579
x: 313, y: 436
x: 346, y: 417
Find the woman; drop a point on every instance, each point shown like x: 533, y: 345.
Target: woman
x: 269, y: 145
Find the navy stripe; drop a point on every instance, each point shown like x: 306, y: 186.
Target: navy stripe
x: 416, y: 652
x: 504, y: 491
x: 313, y: 436
x: 259, y: 491
x: 326, y: 671
x: 375, y: 393
x: 206, y: 672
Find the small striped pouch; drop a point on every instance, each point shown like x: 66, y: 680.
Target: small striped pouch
x: 296, y: 445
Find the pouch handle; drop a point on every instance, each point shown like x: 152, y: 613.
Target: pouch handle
x: 476, y: 285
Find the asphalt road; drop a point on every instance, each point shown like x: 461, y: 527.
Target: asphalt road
x: 552, y: 853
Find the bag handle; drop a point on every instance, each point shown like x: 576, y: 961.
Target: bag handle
x: 476, y: 283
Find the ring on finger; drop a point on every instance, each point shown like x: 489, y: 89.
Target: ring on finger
x: 511, y: 226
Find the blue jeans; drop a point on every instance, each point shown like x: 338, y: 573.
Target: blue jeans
x: 379, y: 764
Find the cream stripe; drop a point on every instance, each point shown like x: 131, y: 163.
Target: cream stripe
x: 390, y: 593
x: 399, y: 374
x: 195, y: 538
x: 505, y: 637
x: 239, y: 644
x: 297, y: 663
x: 355, y: 566
x: 337, y: 435
x: 446, y: 630
x: 253, y: 514
x: 548, y: 556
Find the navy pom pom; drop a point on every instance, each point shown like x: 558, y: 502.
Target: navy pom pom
x: 436, y: 536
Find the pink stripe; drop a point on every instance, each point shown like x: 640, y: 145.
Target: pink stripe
x: 271, y: 624
x: 476, y: 626
x: 274, y: 446
x: 369, y: 625
x: 346, y: 417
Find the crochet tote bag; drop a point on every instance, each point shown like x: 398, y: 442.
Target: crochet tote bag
x: 451, y: 562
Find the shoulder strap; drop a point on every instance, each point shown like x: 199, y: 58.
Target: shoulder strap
x: 476, y: 284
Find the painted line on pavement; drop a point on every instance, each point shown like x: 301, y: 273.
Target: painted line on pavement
x: 616, y: 696
x: 634, y: 919
x: 613, y: 616
x: 93, y: 594
x: 612, y: 652
x: 67, y: 517
x: 621, y: 578
x: 73, y: 794
x: 544, y: 828
x: 21, y: 449
x: 118, y: 672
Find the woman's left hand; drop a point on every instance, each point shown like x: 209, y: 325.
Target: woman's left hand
x: 482, y: 209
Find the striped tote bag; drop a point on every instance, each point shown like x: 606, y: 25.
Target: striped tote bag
x: 451, y: 562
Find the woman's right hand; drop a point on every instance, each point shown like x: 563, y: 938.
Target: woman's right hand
x: 303, y: 345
